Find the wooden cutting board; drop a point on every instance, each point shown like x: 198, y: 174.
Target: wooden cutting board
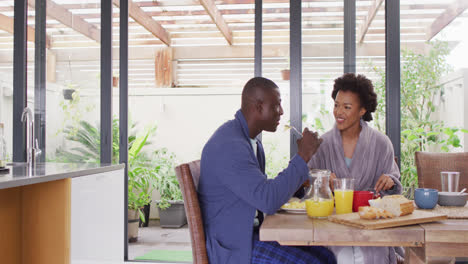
x: 417, y: 217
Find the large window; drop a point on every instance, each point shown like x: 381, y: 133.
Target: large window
x: 276, y: 66
x: 6, y: 73
x: 453, y: 95
x: 73, y: 81
x: 179, y: 94
x: 188, y: 64
x: 322, y: 61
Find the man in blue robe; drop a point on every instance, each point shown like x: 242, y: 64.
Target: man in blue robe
x: 233, y: 185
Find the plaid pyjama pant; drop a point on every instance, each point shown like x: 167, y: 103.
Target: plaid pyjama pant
x: 274, y: 253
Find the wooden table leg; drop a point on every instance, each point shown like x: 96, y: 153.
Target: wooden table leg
x: 418, y: 256
x: 414, y: 256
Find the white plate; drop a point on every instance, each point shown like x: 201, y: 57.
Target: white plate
x: 293, y: 210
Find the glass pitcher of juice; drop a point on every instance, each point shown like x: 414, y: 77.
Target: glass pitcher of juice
x: 318, y: 197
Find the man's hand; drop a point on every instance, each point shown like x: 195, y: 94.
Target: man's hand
x: 308, y: 144
x: 384, y: 183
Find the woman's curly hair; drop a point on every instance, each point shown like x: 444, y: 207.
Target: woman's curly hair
x: 361, y: 86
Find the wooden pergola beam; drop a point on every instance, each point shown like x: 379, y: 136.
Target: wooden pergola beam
x: 453, y: 11
x: 74, y: 22
x: 6, y: 24
x: 374, y: 8
x: 278, y: 50
x: 217, y: 18
x: 146, y: 21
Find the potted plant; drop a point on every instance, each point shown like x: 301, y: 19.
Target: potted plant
x: 68, y: 91
x: 141, y: 177
x: 171, y: 204
x: 285, y: 73
x: 73, y: 110
x: 139, y: 194
x: 115, y: 79
x: 136, y: 201
x: 141, y: 173
x: 70, y: 87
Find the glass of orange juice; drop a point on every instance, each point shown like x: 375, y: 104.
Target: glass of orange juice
x: 344, y: 188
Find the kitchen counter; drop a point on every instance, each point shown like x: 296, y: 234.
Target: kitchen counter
x: 21, y: 175
x: 51, y: 213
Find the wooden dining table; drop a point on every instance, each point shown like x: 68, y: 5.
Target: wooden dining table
x: 436, y: 242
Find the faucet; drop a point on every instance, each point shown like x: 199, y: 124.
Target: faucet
x: 32, y: 151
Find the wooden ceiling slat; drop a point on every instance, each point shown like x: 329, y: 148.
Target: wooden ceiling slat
x: 453, y: 11
x: 368, y: 20
x: 6, y: 24
x: 267, y: 8
x: 218, y: 19
x: 72, y: 21
x: 146, y: 21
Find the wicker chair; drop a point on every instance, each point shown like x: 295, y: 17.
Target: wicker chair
x: 188, y: 175
x: 429, y: 166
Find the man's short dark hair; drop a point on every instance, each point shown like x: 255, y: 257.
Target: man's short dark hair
x: 253, y: 85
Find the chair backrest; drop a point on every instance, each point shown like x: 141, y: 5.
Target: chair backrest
x: 429, y: 166
x: 188, y: 175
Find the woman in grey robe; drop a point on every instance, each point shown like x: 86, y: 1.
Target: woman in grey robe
x: 352, y: 149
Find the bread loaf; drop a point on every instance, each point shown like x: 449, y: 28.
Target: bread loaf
x: 369, y: 213
x: 398, y: 205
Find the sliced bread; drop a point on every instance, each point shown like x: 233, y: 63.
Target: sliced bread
x: 369, y: 213
x: 398, y: 205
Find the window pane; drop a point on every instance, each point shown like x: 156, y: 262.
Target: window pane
x: 180, y: 94
x: 322, y: 61
x: 453, y: 96
x: 6, y: 74
x: 370, y: 53
x: 275, y: 66
x: 73, y: 81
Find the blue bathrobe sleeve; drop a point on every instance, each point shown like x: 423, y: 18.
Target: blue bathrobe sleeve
x: 241, y: 174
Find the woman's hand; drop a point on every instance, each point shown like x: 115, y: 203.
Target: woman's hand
x: 332, y: 177
x: 384, y: 183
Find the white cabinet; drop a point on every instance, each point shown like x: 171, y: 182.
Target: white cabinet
x: 97, y: 218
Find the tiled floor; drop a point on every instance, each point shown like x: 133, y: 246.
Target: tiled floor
x: 155, y: 237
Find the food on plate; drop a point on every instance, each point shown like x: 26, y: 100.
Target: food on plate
x: 294, y: 203
x: 369, y: 213
x: 398, y: 205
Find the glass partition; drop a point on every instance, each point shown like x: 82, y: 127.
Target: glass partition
x: 73, y: 81
x: 275, y: 66
x: 322, y: 61
x: 6, y: 73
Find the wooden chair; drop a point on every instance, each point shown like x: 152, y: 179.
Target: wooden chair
x: 429, y: 166
x: 188, y: 175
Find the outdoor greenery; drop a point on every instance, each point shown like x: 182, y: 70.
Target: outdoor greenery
x: 274, y: 162
x: 420, y: 93
x: 71, y: 110
x: 166, y: 183
x: 147, y: 170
